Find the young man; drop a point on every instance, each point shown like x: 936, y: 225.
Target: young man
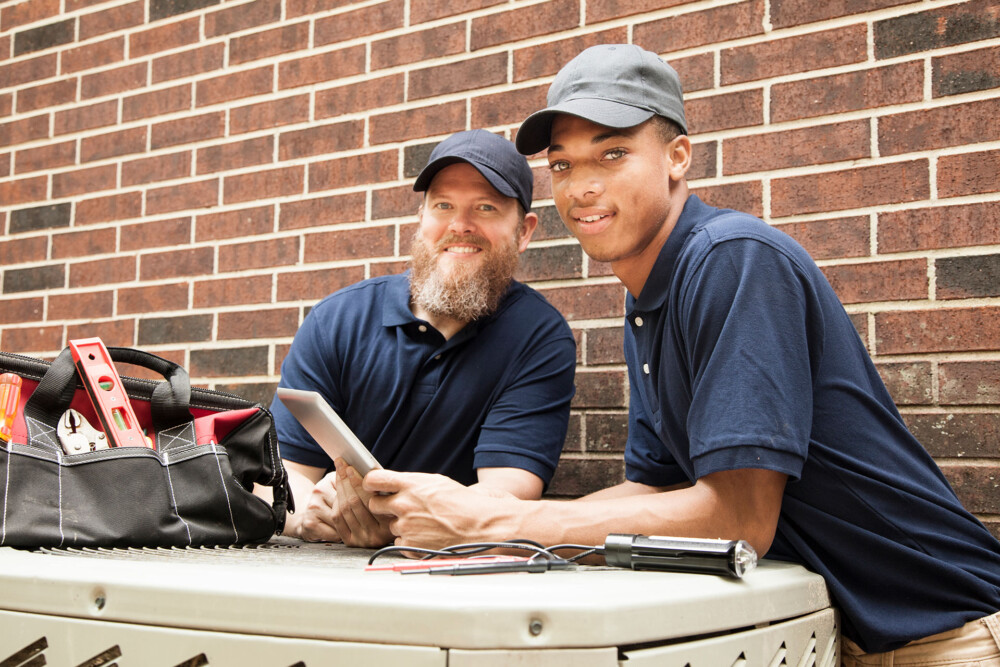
x: 756, y: 411
x: 452, y: 368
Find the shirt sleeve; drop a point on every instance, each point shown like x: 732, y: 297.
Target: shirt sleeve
x: 311, y: 364
x: 752, y: 333
x: 526, y: 426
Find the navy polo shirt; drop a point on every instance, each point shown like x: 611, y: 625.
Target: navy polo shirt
x: 741, y: 356
x: 496, y: 394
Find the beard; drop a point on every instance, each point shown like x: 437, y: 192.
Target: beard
x: 463, y: 293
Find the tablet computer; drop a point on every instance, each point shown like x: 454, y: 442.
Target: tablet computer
x: 327, y: 428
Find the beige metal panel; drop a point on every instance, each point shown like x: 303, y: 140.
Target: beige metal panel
x: 66, y: 642
x: 578, y: 657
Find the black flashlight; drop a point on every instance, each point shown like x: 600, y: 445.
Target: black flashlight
x: 733, y: 558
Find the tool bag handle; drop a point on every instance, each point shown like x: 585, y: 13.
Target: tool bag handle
x: 169, y: 404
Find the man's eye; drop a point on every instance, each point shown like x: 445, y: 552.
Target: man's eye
x: 558, y: 166
x: 442, y: 205
x: 487, y: 207
x: 615, y: 154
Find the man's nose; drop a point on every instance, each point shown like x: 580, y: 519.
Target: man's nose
x: 584, y: 185
x: 462, y: 222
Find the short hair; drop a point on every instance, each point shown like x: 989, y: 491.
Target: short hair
x: 666, y: 129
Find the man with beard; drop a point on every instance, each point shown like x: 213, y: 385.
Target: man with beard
x: 452, y: 368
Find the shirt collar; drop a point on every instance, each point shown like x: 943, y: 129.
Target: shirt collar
x: 654, y: 292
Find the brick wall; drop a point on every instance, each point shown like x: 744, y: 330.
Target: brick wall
x: 190, y: 176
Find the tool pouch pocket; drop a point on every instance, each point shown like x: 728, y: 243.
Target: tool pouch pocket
x: 193, y: 488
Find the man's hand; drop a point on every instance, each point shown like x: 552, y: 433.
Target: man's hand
x: 317, y: 520
x: 433, y: 511
x: 355, y: 524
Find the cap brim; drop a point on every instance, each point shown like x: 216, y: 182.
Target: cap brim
x: 495, y: 179
x: 535, y: 133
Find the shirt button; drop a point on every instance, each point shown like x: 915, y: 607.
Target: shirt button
x: 645, y: 369
x: 437, y: 358
x: 422, y: 328
x: 638, y: 321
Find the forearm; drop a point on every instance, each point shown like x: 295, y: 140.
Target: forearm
x: 301, y: 480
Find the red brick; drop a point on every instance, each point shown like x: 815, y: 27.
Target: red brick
x: 118, y: 331
x: 419, y: 45
x: 229, y: 362
x: 5, y: 159
x: 234, y: 86
x: 966, y: 72
x: 322, y: 211
x: 709, y: 26
x: 370, y: 20
x: 862, y: 187
x: 45, y: 157
x: 32, y: 339
x: 200, y: 194
x: 939, y: 227
x: 604, y: 346
x: 422, y: 11
x: 968, y: 174
x: 955, y: 125
x: 726, y: 111
x: 394, y: 202
x: 967, y: 276
x: 24, y: 130
x: 696, y: 72
x: 939, y: 27
x: 22, y: 250
x: 113, y: 144
x: 546, y: 59
x: 268, y: 43
x: 466, y: 74
x: 961, y: 434
x: 796, y: 148
x: 350, y: 244
x: 416, y: 123
x: 366, y: 169
x: 369, y: 94
x: 163, y: 37
x: 112, y: 20
x: 803, y: 53
x: 508, y: 107
x: 153, y: 298
x: 909, y: 383
x: 23, y: 190
x: 850, y: 91
x: 879, y: 281
x: 110, y: 82
x: 314, y: 285
x: 26, y: 71
x: 84, y: 181
x: 263, y: 184
x: 601, y: 389
x: 176, y: 263
x: 320, y: 139
x: 302, y: 7
x: 587, y: 302
x: 46, y: 95
x: 323, y: 67
x: 235, y: 224
x: 258, y: 324
x: 187, y: 130
x: 747, y: 196
x: 517, y: 24
x: 977, y: 486
x: 155, y: 234
x: 941, y: 330
x: 188, y: 63
x: 157, y: 102
x: 826, y: 239
x: 379, y: 269
x: 785, y: 13
x: 102, y: 272
x: 232, y: 291
x: 242, y: 17
x: 236, y: 155
x: 266, y: 115
x: 607, y: 432
x: 6, y: 104
x: 259, y: 254
x: 704, y: 161
x: 29, y: 11
x: 81, y: 305
x: 88, y: 117
x: 122, y: 206
x: 578, y: 477
x: 550, y: 263
x: 159, y: 168
x: 969, y: 382
x: 17, y: 311
x: 93, y: 55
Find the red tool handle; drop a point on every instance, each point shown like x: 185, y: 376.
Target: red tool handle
x: 107, y: 393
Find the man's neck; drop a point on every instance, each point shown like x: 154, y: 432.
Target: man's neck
x: 634, y: 271
x: 446, y: 326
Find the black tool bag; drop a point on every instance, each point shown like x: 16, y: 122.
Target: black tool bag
x: 194, y: 488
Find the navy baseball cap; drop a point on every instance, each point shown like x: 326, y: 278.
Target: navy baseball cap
x: 615, y: 85
x: 492, y: 155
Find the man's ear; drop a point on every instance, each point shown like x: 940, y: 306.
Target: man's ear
x: 679, y: 154
x: 527, y: 228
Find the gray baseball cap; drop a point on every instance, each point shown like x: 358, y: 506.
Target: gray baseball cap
x: 492, y: 155
x: 616, y: 85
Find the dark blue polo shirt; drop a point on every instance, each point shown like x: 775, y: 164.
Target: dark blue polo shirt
x: 741, y: 356
x: 496, y: 394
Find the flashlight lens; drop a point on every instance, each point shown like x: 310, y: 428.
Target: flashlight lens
x: 745, y: 559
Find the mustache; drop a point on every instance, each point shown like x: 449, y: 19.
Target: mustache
x: 475, y: 239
